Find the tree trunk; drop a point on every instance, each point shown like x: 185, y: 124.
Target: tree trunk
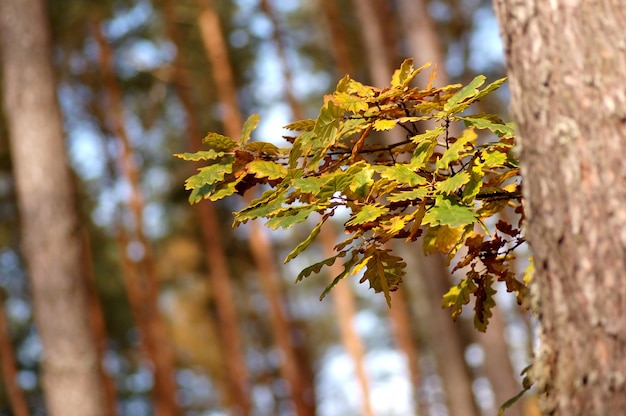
x: 153, y: 329
x: 345, y: 305
x: 566, y: 62
x: 50, y: 225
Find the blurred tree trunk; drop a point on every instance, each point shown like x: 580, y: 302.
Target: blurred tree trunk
x: 16, y: 396
x: 343, y: 298
x: 378, y: 58
x: 279, y: 41
x: 337, y: 38
x: 446, y: 340
x: 566, y: 62
x: 50, y: 224
x: 96, y: 316
x: 143, y: 278
x: 215, y: 256
x: 302, y: 395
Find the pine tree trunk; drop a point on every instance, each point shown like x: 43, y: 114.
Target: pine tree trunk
x: 345, y: 305
x: 566, y: 62
x: 144, y: 278
x: 50, y: 224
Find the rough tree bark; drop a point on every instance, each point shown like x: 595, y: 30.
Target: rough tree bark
x: 50, y: 226
x: 566, y: 61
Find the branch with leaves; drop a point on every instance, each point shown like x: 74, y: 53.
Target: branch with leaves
x: 431, y: 185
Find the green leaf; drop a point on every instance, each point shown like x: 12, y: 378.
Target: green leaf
x: 317, y: 267
x: 489, y: 88
x: 449, y: 212
x: 263, y: 148
x: 251, y: 123
x: 494, y: 158
x: 453, y: 183
x: 352, y: 103
x: 458, y: 296
x: 465, y: 93
x: 347, y: 266
x: 401, y: 174
x: 362, y: 90
x: 402, y: 77
x: 368, y: 213
x: 201, y: 155
x: 224, y: 190
x: 428, y: 135
x: 309, y: 185
x: 328, y: 122
x: 305, y: 244
x: 267, y: 169
x: 288, y: 217
x: 338, y: 182
x: 442, y: 239
x: 219, y: 142
x: 475, y: 182
x: 485, y: 121
x: 200, y: 193
x: 271, y: 201
x: 383, y: 124
x: 423, y: 152
x: 301, y: 125
x: 208, y: 175
x: 362, y: 180
x: 412, y: 195
x: 457, y: 149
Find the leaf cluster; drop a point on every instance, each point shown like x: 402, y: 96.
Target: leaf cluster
x: 428, y: 183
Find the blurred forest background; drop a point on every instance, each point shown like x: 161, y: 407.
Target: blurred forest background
x: 194, y: 318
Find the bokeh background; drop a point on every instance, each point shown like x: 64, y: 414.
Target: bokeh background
x: 196, y: 318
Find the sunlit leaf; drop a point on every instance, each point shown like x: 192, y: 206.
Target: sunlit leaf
x: 328, y: 122
x: 458, y: 296
x: 412, y: 195
x: 383, y: 124
x: 288, y: 217
x: 336, y: 183
x: 301, y: 125
x: 347, y: 266
x: 457, y: 149
x: 401, y: 174
x: 250, y: 124
x: 317, y: 267
x: 350, y: 102
x: 453, y: 183
x: 201, y: 155
x: 362, y: 90
x: 468, y: 91
x: 208, y: 175
x: 484, y: 122
x: 304, y: 244
x: 310, y: 184
x: 368, y: 213
x: 493, y: 158
x: 219, y: 142
x: 361, y: 181
x: 475, y: 182
x: 449, y: 212
x: 263, y: 148
x: 267, y: 169
x: 441, y: 239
